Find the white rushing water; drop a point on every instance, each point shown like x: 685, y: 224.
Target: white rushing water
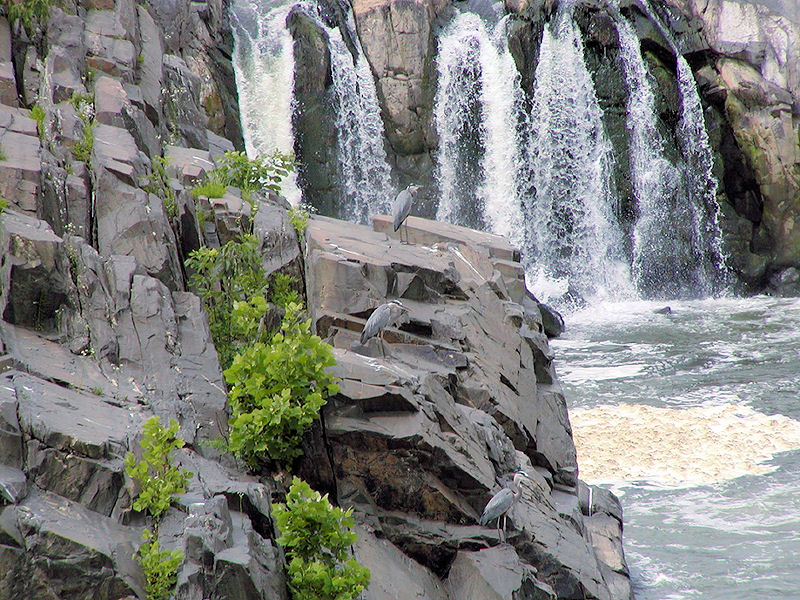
x: 574, y: 244
x: 544, y: 177
x: 264, y: 66
x: 366, y: 184
x: 263, y: 62
x: 692, y: 418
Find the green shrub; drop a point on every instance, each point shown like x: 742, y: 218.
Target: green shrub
x: 277, y: 390
x: 281, y: 291
x: 3, y: 205
x: 318, y: 540
x: 212, y: 188
x: 221, y: 277
x: 298, y: 216
x: 27, y: 11
x: 249, y: 175
x: 157, y: 182
x: 158, y: 478
x: 160, y: 567
x: 3, y: 154
x: 82, y: 149
x: 37, y: 114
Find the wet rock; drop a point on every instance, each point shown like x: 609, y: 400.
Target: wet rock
x: 552, y: 321
x: 785, y: 283
x: 495, y: 573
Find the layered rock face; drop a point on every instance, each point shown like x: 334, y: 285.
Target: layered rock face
x: 431, y: 417
x: 98, y: 334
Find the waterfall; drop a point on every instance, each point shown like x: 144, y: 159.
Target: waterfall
x: 574, y: 247
x: 366, y: 184
x: 476, y: 112
x: 263, y: 63
x: 710, y: 265
x: 264, y: 66
x: 677, y: 248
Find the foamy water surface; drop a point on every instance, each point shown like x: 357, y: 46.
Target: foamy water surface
x: 693, y: 417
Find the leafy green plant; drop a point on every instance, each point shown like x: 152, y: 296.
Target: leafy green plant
x: 27, y: 11
x: 222, y: 276
x: 160, y: 566
x: 318, y: 537
x: 82, y: 149
x: 3, y: 154
x: 37, y: 114
x: 3, y: 205
x: 298, y: 216
x: 281, y: 291
x: 158, y: 478
x: 210, y: 189
x: 157, y: 182
x: 277, y: 390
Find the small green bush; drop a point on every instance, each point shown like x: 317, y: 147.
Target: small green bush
x: 160, y: 567
x: 222, y: 276
x: 3, y: 154
x: 210, y: 189
x: 3, y: 205
x: 158, y: 478
x: 82, y: 149
x: 281, y: 291
x: 318, y: 540
x: 277, y: 390
x: 298, y: 216
x: 37, y: 114
x: 157, y: 182
x: 27, y: 11
x: 249, y: 175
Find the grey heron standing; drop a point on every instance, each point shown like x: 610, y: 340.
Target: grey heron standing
x: 401, y: 208
x: 502, y: 502
x: 382, y: 317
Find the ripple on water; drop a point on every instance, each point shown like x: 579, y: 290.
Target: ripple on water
x: 678, y: 447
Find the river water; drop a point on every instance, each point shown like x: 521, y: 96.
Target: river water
x: 693, y: 419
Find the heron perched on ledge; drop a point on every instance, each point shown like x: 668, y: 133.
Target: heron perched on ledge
x: 382, y: 317
x: 502, y: 502
x: 401, y: 208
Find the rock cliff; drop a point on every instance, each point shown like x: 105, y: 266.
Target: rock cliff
x: 99, y: 332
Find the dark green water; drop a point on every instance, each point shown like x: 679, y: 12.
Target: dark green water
x: 733, y: 538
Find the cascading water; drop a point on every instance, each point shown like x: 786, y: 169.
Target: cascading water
x: 366, y: 183
x: 476, y: 112
x: 574, y: 246
x: 264, y: 65
x: 544, y: 178
x: 677, y: 249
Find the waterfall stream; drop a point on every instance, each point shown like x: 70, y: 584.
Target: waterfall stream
x: 263, y: 61
x: 366, y: 184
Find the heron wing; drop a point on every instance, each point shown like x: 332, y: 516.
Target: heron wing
x: 498, y: 505
x: 377, y: 321
x: 401, y: 208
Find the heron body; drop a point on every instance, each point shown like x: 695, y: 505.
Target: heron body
x: 382, y: 317
x: 401, y: 207
x: 502, y: 502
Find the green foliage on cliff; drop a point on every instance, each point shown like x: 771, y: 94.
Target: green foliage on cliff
x: 277, y: 390
x: 82, y: 149
x: 222, y: 276
x: 37, y: 114
x: 160, y: 566
x: 247, y: 174
x: 27, y: 11
x: 157, y: 182
x: 317, y: 537
x: 159, y: 481
x: 158, y: 478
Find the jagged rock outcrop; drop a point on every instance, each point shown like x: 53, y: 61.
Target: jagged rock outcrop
x: 419, y: 439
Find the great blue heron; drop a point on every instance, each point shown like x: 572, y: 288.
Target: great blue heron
x: 401, y: 208
x: 502, y: 502
x: 382, y: 317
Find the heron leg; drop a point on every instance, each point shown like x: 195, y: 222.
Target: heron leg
x: 383, y: 348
